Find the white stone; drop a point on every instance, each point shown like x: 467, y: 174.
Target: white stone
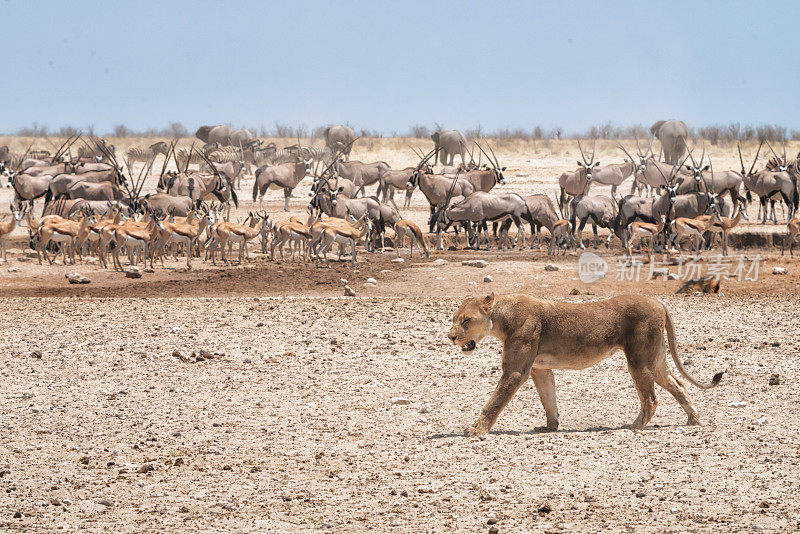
x: 400, y: 401
x: 372, y: 281
x: 398, y: 260
x: 779, y: 270
x: 550, y: 267
x: 737, y: 404
x: 488, y: 278
x: 474, y: 263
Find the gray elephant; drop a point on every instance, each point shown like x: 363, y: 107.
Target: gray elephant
x: 214, y: 134
x: 240, y: 138
x: 339, y: 137
x: 449, y: 143
x: 672, y: 134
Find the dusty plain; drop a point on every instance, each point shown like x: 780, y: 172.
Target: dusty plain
x: 258, y: 398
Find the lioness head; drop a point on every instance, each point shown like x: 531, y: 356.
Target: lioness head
x: 472, y: 322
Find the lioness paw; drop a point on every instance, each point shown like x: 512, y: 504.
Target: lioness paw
x: 473, y: 432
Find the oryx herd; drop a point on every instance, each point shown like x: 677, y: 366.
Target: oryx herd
x: 93, y: 203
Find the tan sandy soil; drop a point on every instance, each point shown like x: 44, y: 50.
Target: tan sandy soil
x: 290, y: 425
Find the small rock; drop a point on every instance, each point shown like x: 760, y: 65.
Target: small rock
x: 550, y: 267
x: 400, y: 401
x: 488, y: 279
x: 372, y: 281
x: 183, y: 509
x: 574, y: 291
x: 77, y: 278
x: 149, y: 270
x: 491, y: 521
x: 439, y: 261
x: 14, y: 270
x: 17, y: 515
x: 36, y: 354
x: 779, y: 270
x: 105, y: 502
x: 737, y: 404
x: 55, y: 502
x: 775, y: 380
x: 424, y: 408
x: 342, y: 280
x: 67, y: 502
x: 672, y: 276
x: 132, y: 271
x: 398, y: 260
x: 760, y: 421
x: 480, y: 264
x: 544, y: 509
x: 146, y: 468
x: 493, y: 530
x: 348, y: 291
x: 661, y: 271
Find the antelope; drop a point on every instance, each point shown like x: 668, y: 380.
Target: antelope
x: 767, y: 184
x: 644, y: 229
x: 345, y: 235
x: 601, y: 210
x: 65, y: 231
x: 293, y: 232
x: 540, y: 212
x: 227, y: 232
x: 7, y: 227
x: 392, y: 180
x: 480, y: 207
x: 792, y: 231
x: 361, y: 174
x: 695, y: 228
x: 184, y: 233
x: 577, y: 182
x: 285, y: 176
x: 135, y: 238
x: 560, y: 235
x: 404, y: 227
x: 725, y: 225
x: 613, y: 174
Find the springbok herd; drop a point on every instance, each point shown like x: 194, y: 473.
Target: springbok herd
x: 93, y: 201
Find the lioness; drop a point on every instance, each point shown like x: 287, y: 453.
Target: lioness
x: 540, y: 335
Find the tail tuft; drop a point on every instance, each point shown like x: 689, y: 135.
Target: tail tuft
x: 717, y: 378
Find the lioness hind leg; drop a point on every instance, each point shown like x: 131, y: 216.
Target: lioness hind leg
x: 644, y: 381
x: 668, y: 381
x: 545, y: 383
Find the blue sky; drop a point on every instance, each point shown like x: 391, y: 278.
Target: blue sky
x: 388, y: 65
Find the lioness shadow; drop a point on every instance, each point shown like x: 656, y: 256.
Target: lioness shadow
x: 545, y: 432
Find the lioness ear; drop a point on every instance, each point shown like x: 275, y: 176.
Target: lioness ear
x: 488, y: 303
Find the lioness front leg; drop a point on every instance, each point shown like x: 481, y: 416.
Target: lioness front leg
x: 545, y: 383
x: 509, y: 384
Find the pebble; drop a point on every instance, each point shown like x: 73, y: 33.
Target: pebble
x: 348, y: 291
x: 132, y: 271
x: 544, y: 509
x: 36, y: 354
x: 400, y: 401
x: 480, y: 264
x: 439, y: 261
x: 672, y: 276
x: 14, y: 270
x: 104, y: 502
x: 737, y: 404
x: 488, y: 279
x: 550, y: 267
x: 146, y: 468
x: 424, y: 408
x: 775, y: 380
x: 779, y: 270
x: 77, y: 278
x: 398, y: 260
x: 372, y: 281
x: 493, y: 530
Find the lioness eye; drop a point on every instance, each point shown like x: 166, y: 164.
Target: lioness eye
x: 465, y: 321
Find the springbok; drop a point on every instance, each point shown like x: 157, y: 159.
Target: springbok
x: 725, y: 225
x: 227, y: 232
x: 345, y: 235
x: 404, y: 228
x: 7, y: 227
x: 640, y: 229
x: 694, y: 228
x: 792, y: 231
x: 71, y: 235
x: 292, y: 232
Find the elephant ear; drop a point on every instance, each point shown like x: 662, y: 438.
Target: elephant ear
x: 655, y: 127
x: 435, y: 137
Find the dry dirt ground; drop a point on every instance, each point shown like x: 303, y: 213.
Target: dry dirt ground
x: 289, y: 418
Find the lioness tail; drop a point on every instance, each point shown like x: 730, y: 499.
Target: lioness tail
x: 673, y: 348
